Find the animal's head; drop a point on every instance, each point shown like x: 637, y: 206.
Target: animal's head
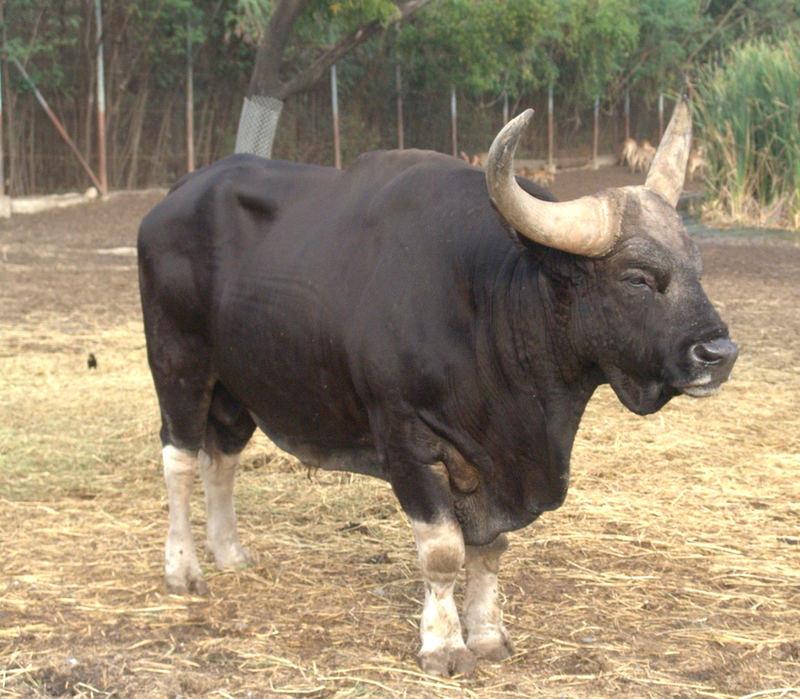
x: 636, y: 306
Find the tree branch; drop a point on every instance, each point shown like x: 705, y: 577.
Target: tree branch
x: 265, y: 79
x: 314, y: 72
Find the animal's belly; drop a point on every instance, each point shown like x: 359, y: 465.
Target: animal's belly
x: 300, y: 404
x: 355, y: 458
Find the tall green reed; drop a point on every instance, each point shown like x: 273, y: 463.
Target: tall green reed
x: 748, y: 116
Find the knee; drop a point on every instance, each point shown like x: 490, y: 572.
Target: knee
x: 441, y: 550
x: 178, y: 462
x: 487, y: 557
x: 217, y: 467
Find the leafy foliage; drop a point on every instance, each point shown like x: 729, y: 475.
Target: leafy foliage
x: 749, y: 118
x: 478, y: 45
x: 586, y: 48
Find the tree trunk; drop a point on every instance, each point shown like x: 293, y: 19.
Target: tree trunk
x: 266, y: 91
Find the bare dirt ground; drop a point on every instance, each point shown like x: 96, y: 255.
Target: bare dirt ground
x: 673, y: 569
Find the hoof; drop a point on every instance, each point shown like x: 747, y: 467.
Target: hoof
x: 231, y: 558
x: 193, y: 585
x: 494, y: 649
x: 446, y: 662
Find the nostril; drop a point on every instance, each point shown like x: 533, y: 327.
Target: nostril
x: 714, y: 351
x: 705, y: 354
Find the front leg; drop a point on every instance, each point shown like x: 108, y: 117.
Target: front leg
x: 486, y: 635
x: 441, y: 556
x: 182, y: 568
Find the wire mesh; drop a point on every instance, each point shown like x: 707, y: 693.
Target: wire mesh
x: 257, y: 125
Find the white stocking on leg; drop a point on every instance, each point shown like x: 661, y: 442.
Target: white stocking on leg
x: 218, y: 472
x: 483, y: 617
x: 182, y: 568
x: 441, y: 556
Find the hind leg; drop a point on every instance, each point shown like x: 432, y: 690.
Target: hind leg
x: 182, y: 569
x: 228, y: 432
x: 218, y: 472
x: 181, y: 424
x: 183, y: 379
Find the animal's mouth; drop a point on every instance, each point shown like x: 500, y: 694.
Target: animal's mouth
x: 709, y: 364
x: 639, y: 395
x: 701, y: 388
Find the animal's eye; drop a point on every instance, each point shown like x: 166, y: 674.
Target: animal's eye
x: 639, y: 279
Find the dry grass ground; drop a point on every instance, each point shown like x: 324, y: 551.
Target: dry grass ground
x: 673, y: 570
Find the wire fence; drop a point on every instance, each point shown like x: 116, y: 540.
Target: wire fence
x: 147, y: 136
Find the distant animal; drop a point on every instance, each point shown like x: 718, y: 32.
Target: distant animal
x: 418, y: 320
x: 697, y: 162
x: 91, y: 361
x: 637, y: 156
x: 542, y: 177
x: 646, y: 154
x: 629, y: 154
x: 478, y: 160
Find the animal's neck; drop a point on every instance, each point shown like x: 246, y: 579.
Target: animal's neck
x: 531, y: 334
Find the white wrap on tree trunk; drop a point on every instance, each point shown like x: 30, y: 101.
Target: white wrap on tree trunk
x: 257, y: 125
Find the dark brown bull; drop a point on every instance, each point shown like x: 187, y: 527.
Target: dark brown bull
x: 401, y: 319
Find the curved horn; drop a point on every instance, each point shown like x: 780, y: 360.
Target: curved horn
x: 586, y: 226
x: 669, y: 164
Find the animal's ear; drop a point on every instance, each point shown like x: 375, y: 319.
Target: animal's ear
x: 521, y: 242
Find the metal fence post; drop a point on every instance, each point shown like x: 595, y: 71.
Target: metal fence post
x: 337, y: 152
x: 596, y: 132
x: 101, y: 103
x: 453, y: 115
x: 550, y: 135
x: 189, y: 96
x: 399, y: 86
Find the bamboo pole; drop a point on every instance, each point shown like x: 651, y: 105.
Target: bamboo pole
x: 59, y: 126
